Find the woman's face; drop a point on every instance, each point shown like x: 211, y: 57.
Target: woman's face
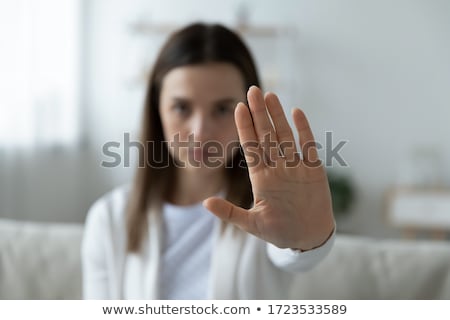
x: 197, y: 105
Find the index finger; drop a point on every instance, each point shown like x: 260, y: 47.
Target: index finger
x: 247, y: 136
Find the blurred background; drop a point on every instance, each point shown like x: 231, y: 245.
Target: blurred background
x: 376, y: 74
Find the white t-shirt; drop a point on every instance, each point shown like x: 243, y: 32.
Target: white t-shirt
x: 186, y: 256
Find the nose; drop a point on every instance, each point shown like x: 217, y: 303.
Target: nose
x: 201, y: 128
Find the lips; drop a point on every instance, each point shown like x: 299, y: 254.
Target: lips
x: 198, y: 154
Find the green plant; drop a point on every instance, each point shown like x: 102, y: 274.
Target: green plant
x: 342, y: 192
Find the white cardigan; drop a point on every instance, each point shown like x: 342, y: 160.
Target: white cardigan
x: 242, y: 267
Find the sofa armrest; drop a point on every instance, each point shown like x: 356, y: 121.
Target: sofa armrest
x: 40, y: 260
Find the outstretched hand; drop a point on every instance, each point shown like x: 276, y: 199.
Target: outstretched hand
x: 292, y: 201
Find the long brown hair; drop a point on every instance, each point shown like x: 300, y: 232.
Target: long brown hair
x: 195, y: 44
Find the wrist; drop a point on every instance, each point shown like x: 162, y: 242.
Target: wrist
x: 308, y: 248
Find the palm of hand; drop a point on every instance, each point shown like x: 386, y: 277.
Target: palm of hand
x: 292, y: 201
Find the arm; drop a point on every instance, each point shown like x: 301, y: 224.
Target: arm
x: 93, y: 254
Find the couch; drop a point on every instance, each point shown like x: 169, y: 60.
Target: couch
x: 42, y: 261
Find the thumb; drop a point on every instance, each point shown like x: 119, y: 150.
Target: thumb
x: 228, y: 212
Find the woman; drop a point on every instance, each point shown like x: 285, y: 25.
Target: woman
x: 222, y: 206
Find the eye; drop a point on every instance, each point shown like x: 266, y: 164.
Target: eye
x: 223, y: 110
x: 181, y: 108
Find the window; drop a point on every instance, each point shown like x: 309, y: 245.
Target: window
x: 39, y: 67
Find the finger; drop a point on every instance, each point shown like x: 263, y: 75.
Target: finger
x: 282, y: 128
x: 306, y: 137
x: 228, y: 212
x: 247, y: 137
x: 263, y: 127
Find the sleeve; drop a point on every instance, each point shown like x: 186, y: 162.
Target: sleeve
x: 298, y: 261
x: 93, y: 253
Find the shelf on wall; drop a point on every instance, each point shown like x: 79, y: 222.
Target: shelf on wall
x: 272, y: 46
x: 262, y: 31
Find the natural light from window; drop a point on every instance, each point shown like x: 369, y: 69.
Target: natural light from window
x: 39, y: 78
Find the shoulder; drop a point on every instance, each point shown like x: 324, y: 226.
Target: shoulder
x: 109, y: 209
